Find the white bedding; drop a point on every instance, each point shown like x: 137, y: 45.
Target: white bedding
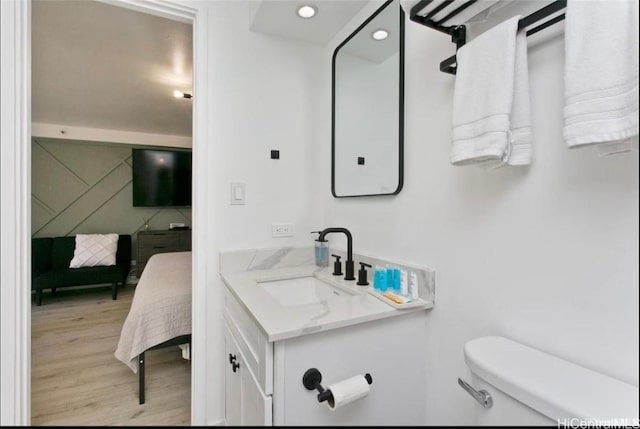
x: 161, y: 306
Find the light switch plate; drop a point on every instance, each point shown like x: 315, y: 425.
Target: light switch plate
x: 238, y: 193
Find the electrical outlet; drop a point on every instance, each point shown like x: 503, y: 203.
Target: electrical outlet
x: 281, y: 230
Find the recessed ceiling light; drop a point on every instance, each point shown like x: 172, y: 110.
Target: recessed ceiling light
x: 380, y: 34
x: 306, y: 11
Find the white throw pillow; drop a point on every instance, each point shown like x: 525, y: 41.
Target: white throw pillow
x: 94, y: 249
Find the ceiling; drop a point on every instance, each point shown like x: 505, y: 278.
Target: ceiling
x: 96, y: 65
x: 100, y: 66
x: 279, y: 18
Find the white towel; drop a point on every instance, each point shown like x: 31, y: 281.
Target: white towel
x: 601, y: 75
x: 462, y: 17
x: 491, y: 117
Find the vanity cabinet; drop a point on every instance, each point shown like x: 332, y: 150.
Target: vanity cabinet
x: 245, y: 403
x: 266, y: 387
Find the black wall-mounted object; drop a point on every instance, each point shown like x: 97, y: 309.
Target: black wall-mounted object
x: 458, y: 32
x: 361, y: 160
x: 161, y: 177
x: 275, y: 154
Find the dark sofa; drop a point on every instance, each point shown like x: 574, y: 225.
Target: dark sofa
x: 50, y: 259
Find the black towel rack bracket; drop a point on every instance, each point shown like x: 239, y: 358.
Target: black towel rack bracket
x: 458, y: 32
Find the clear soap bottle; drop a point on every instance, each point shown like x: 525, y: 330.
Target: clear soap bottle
x: 321, y: 251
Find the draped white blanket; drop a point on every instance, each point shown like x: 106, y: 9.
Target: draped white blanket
x: 161, y: 306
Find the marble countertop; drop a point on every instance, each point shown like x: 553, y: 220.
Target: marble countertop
x: 281, y: 322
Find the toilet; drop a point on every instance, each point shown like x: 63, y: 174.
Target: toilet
x: 531, y: 387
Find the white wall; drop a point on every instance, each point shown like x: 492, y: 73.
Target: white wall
x: 260, y: 90
x: 546, y: 255
x: 263, y: 98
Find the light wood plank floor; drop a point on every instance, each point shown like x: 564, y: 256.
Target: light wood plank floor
x: 75, y: 378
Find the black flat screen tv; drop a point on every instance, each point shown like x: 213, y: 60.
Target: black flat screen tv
x: 161, y: 177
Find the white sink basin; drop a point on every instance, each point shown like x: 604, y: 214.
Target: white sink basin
x: 302, y: 290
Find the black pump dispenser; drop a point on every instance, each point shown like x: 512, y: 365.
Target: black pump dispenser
x: 319, y: 239
x: 337, y: 265
x: 362, y: 274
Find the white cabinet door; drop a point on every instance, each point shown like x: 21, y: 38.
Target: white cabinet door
x: 245, y: 402
x: 232, y: 396
x: 256, y: 408
x: 256, y: 350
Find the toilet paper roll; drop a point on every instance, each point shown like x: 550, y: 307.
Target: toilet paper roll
x: 348, y: 391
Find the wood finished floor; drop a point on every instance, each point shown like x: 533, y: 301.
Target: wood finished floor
x: 77, y: 381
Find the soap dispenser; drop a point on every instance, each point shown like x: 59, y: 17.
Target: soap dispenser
x: 321, y: 251
x: 362, y: 274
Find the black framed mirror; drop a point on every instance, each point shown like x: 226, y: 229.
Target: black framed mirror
x: 367, y: 110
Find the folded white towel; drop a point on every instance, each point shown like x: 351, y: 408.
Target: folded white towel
x: 472, y: 11
x: 491, y: 118
x: 601, y: 75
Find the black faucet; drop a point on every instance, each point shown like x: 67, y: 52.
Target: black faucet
x: 348, y: 275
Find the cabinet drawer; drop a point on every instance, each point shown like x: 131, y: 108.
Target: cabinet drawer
x: 252, y: 342
x: 145, y: 254
x: 160, y: 239
x: 185, y: 241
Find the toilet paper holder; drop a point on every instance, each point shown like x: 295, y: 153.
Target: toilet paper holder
x: 312, y: 379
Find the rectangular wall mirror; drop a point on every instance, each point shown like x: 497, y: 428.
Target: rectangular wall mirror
x: 367, y: 107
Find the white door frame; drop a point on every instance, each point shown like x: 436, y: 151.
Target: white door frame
x: 15, y: 200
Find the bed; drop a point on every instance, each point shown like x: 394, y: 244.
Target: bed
x: 160, y: 313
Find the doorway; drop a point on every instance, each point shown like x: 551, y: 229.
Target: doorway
x: 16, y: 213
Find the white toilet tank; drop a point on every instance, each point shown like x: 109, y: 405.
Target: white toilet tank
x: 530, y: 387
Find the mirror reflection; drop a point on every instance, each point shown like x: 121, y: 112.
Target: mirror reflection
x: 368, y: 107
